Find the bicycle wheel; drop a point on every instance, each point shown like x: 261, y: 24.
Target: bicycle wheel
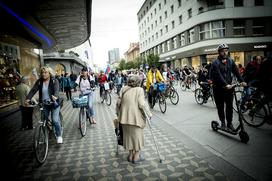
x: 40, y: 143
x: 255, y: 112
x: 174, y: 97
x: 108, y: 99
x: 182, y: 86
x: 239, y: 95
x: 199, y: 97
x: 193, y: 86
x: 162, y: 103
x: 82, y: 122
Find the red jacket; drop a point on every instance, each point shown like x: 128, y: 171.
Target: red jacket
x: 102, y: 79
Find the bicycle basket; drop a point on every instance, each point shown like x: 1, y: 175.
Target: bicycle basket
x: 161, y: 87
x: 78, y: 102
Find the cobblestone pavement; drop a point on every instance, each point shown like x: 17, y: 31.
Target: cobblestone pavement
x: 94, y: 156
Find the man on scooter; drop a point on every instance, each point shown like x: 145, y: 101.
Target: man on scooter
x: 221, y: 75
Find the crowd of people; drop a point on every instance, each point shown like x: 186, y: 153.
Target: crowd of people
x: 132, y: 86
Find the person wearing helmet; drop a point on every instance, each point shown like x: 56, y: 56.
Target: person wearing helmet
x: 221, y: 73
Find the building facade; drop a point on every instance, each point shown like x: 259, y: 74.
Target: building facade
x: 187, y: 32
x: 114, y: 55
x: 133, y: 52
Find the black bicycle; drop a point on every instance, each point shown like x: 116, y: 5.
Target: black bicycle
x: 201, y: 97
x: 41, y: 133
x: 172, y: 94
x: 159, y: 97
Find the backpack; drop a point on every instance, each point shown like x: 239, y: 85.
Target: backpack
x: 91, y: 82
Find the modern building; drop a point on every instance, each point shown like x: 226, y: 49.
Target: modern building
x: 114, y: 55
x: 133, y: 52
x: 189, y: 31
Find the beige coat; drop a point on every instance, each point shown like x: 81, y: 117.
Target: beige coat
x: 132, y: 101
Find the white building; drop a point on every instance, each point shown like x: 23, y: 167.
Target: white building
x: 189, y: 31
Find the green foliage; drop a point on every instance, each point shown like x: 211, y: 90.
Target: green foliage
x: 153, y: 60
x: 122, y: 64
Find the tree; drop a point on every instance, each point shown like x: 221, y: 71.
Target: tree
x: 137, y: 62
x: 153, y: 60
x: 122, y: 64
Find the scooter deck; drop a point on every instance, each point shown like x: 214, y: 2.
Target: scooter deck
x: 227, y: 130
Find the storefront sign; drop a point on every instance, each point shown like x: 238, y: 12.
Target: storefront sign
x: 210, y: 49
x: 260, y: 46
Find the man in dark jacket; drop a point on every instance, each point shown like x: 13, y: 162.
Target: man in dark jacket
x: 221, y: 75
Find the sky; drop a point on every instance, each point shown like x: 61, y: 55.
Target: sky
x: 114, y: 25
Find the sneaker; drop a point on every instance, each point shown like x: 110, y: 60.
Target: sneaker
x: 223, y: 125
x: 59, y: 140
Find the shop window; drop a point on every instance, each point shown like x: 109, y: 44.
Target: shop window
x: 259, y: 2
x: 239, y: 27
x: 238, y: 3
x: 258, y: 27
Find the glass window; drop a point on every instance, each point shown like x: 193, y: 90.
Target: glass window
x: 151, y: 15
x: 174, y: 40
x: 179, y: 3
x: 151, y: 26
x: 160, y: 19
x: 239, y: 27
x: 173, y: 24
x: 156, y: 23
x: 218, y: 29
x: 182, y: 39
x: 152, y: 37
x: 159, y: 6
x: 165, y: 14
x: 155, y: 11
x: 258, y: 27
x: 238, y: 3
x: 161, y: 32
x: 168, y: 45
x: 191, y: 37
x: 204, y: 31
x: 180, y: 19
x: 166, y: 28
x: 162, y: 48
x: 189, y: 13
x: 259, y: 2
x: 158, y: 49
x: 172, y: 9
x: 157, y: 35
x: 148, y: 30
x: 164, y: 1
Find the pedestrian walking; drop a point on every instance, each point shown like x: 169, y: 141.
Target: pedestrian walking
x: 130, y: 116
x: 26, y: 110
x: 67, y: 84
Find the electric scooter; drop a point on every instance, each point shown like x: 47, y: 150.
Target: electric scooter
x: 240, y: 129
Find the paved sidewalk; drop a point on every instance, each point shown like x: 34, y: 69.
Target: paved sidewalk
x: 94, y: 156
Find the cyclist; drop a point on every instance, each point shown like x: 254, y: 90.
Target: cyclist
x: 102, y: 78
x: 48, y: 88
x: 221, y: 74
x: 203, y: 79
x: 188, y: 75
x: 250, y: 76
x: 154, y: 76
x: 86, y: 83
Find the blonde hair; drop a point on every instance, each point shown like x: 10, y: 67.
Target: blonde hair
x: 47, y: 69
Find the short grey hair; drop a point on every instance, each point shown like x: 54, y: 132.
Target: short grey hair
x: 134, y: 81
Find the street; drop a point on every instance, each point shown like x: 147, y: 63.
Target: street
x: 190, y: 148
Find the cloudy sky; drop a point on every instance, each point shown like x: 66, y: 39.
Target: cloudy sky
x: 114, y: 25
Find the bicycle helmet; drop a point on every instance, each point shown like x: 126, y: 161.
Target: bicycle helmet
x: 222, y: 46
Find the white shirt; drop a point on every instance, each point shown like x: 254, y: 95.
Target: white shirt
x: 164, y: 74
x: 84, y: 84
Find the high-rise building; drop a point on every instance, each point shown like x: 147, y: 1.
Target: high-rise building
x: 188, y: 32
x: 114, y: 55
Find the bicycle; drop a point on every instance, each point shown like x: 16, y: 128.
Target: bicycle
x: 159, y: 97
x: 257, y: 111
x: 106, y: 94
x: 172, y: 94
x: 41, y: 133
x: 190, y: 83
x: 200, y: 98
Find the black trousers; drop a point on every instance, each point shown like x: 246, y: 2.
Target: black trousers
x: 68, y: 92
x: 224, y: 102
x: 27, y: 121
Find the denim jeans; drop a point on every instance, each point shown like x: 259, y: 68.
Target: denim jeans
x: 55, y: 118
x: 90, y: 101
